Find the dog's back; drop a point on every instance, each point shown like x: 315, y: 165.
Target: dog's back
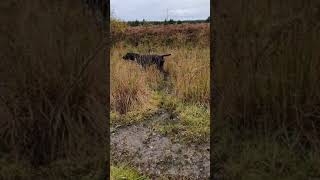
x: 147, y: 60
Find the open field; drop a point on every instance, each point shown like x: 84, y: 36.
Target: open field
x: 169, y: 113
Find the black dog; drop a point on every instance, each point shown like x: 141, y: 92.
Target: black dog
x: 147, y: 60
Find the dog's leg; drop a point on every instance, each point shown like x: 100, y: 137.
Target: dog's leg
x: 165, y: 75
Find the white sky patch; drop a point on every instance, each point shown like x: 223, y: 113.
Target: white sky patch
x: 183, y: 13
x: 160, y: 9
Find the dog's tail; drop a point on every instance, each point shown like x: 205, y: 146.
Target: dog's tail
x: 166, y: 55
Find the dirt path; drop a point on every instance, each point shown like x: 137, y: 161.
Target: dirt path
x: 157, y: 155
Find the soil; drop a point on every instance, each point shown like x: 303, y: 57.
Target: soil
x: 156, y: 155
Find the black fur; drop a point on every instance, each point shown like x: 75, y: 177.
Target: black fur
x: 147, y: 60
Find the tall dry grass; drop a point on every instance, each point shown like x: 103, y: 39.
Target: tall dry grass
x: 267, y: 69
x: 188, y: 67
x: 131, y: 86
x: 128, y: 87
x: 267, y: 78
x: 190, y: 75
x: 52, y: 100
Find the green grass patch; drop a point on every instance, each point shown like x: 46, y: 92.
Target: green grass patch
x: 126, y: 173
x: 193, y: 121
x: 196, y: 120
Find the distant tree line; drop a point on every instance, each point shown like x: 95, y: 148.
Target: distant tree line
x: 165, y: 22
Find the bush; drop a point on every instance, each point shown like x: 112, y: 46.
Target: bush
x: 118, y: 29
x: 183, y: 35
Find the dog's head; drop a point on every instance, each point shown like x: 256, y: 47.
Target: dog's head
x: 130, y: 56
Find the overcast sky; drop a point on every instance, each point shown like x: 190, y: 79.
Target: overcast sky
x: 130, y: 10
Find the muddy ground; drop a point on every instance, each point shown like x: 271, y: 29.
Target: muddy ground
x: 156, y: 155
